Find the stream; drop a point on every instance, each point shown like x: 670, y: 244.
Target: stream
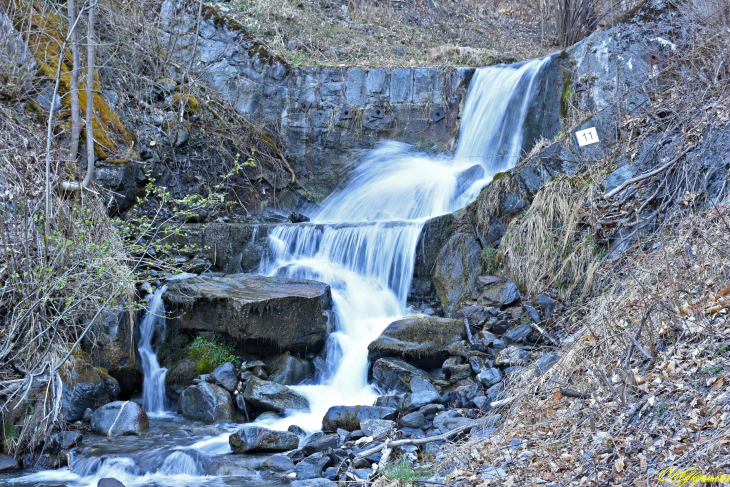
x: 362, y: 242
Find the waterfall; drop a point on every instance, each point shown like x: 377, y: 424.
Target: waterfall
x: 362, y: 240
x: 153, y: 388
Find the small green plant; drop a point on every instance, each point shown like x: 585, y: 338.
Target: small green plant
x: 711, y: 370
x: 402, y: 471
x: 663, y: 407
x: 525, y: 321
x: 210, y: 354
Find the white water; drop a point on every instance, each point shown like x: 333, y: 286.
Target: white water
x: 153, y: 387
x: 362, y: 242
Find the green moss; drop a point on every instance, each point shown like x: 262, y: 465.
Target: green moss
x: 568, y: 90
x: 210, y: 354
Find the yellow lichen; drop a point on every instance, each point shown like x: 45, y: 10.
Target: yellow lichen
x: 189, y: 101
x: 45, y: 33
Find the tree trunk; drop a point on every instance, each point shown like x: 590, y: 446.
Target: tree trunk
x: 90, y: 102
x: 74, y: 82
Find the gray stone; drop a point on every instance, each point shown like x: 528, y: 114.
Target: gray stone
x: 618, y: 177
x: 289, y: 370
x: 321, y: 443
x: 422, y: 393
x: 391, y: 401
x: 278, y: 463
x: 546, y: 304
x: 454, y: 276
x: 512, y: 356
x: 500, y: 294
x: 86, y: 418
x: 478, y: 364
x: 534, y: 315
x: 401, y: 85
x: 225, y: 376
x: 350, y: 417
x: 258, y: 313
x: 85, y: 386
x: 376, y: 427
x: 271, y: 396
x: 489, y: 377
x: 413, y: 420
x: 518, y: 334
x: 449, y: 420
x: 109, y: 482
x: 312, y: 466
x: 313, y: 483
x: 120, y: 418
x: 546, y: 361
x: 7, y: 463
x: 419, y: 340
x: 206, y: 402
x: 395, y: 374
x: 257, y: 439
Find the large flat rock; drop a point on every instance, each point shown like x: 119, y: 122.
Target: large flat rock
x: 257, y: 313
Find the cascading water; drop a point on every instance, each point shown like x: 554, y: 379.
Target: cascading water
x: 362, y: 242
x: 153, y: 387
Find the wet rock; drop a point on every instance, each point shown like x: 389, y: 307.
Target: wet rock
x: 396, y: 374
x: 7, y: 463
x: 518, y: 334
x: 391, y: 401
x: 206, y: 402
x: 501, y: 327
x: 477, y: 315
x: 297, y: 430
x: 478, y: 364
x: 430, y: 410
x: 64, y: 440
x: 419, y: 340
x: 120, y: 418
x: 258, y: 439
x: 259, y: 313
x: 512, y: 356
x: 109, y: 482
x: 413, y: 420
x: 289, y: 370
x: 85, y: 386
x: 86, y: 418
x: 376, y: 427
x: 457, y: 265
x: 499, y: 294
x: 312, y: 466
x: 349, y: 417
x: 278, y: 463
x: 482, y: 403
x: 490, y: 377
x: 422, y: 393
x: 179, y: 376
x: 271, y: 396
x: 321, y: 443
x: 225, y: 376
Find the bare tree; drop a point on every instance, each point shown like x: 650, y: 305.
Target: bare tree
x: 89, y: 178
x: 576, y: 19
x: 74, y: 82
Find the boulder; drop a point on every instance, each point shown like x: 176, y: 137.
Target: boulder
x: 120, y: 418
x: 546, y: 361
x: 271, y: 396
x: 489, y: 377
x: 376, y: 427
x: 321, y: 443
x: 350, y: 417
x: 108, y: 343
x: 454, y: 276
x: 206, y: 402
x: 450, y: 420
x: 420, y: 340
x: 179, y: 376
x: 225, y: 376
x: 477, y: 315
x: 278, y: 463
x: 64, y: 440
x: 289, y: 370
x: 312, y: 466
x: 391, y: 401
x: 518, y: 334
x: 109, y: 482
x: 396, y: 374
x: 512, y: 356
x: 257, y: 439
x: 313, y: 483
x: 546, y: 304
x: 415, y: 419
x: 258, y: 313
x: 499, y: 294
x: 7, y: 463
x: 85, y: 386
x: 422, y: 393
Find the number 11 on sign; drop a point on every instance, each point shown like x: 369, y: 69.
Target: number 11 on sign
x: 587, y: 136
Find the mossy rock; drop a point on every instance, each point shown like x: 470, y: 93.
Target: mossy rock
x: 189, y: 102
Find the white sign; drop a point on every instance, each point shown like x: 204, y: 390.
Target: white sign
x: 587, y: 136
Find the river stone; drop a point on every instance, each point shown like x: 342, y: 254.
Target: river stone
x: 288, y: 370
x: 258, y: 439
x: 546, y: 304
x: 225, y: 376
x: 109, y: 482
x: 391, y: 401
x: 120, y: 418
x: 454, y: 275
x: 419, y: 340
x: 489, y: 377
x: 350, y: 417
x: 85, y: 386
x: 376, y: 427
x: 450, y: 420
x: 64, y: 440
x: 499, y: 294
x: 313, y: 483
x: 518, y: 334
x: 259, y: 313
x: 206, y: 402
x: 271, y: 396
x: 278, y: 463
x: 321, y: 443
x: 512, y: 356
x: 312, y: 466
x: 396, y: 374
x: 7, y: 463
x: 179, y: 376
x: 413, y: 420
x: 422, y: 393
x: 546, y: 361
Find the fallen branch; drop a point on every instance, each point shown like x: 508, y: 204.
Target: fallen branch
x: 503, y: 402
x: 544, y: 333
x: 647, y: 175
x: 575, y: 394
x: 468, y: 331
x: 416, y: 441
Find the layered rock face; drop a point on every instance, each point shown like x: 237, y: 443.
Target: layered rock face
x: 257, y: 313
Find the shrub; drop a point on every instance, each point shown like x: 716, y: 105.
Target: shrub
x: 210, y: 354
x: 403, y: 472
